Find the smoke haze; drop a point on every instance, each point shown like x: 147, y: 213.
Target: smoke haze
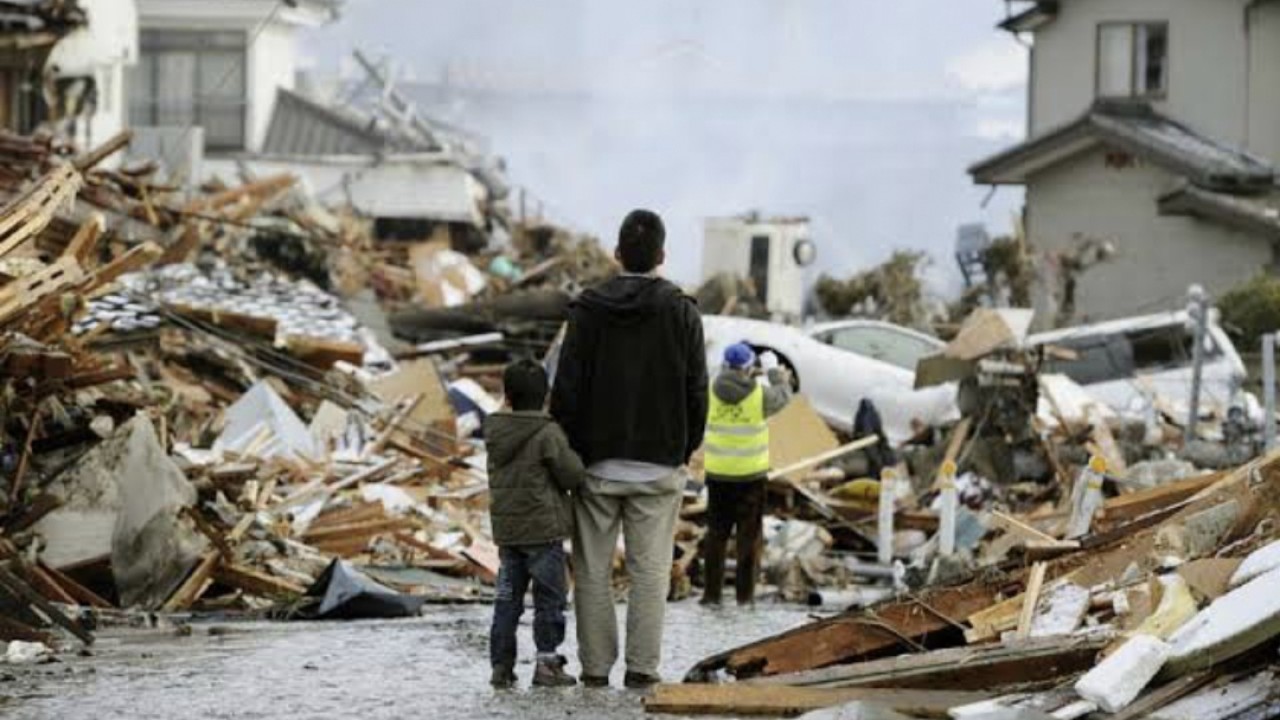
x: 861, y: 114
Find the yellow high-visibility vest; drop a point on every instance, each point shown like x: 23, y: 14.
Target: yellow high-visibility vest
x: 737, y: 439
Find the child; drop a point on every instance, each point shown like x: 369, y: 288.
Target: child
x: 531, y: 470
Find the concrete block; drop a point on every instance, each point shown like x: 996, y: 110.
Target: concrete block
x: 1116, y: 681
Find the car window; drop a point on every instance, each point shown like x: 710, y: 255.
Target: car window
x: 1167, y: 348
x: 883, y: 344
x: 1122, y: 355
x: 1096, y: 360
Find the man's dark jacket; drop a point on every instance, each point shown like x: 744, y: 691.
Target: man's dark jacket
x: 631, y: 383
x: 531, y: 470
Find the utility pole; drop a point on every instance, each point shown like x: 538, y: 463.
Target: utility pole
x: 1269, y: 390
x: 1198, y: 307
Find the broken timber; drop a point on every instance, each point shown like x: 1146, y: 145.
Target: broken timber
x: 1025, y: 662
x: 1245, y: 495
x: 742, y: 699
x: 854, y: 635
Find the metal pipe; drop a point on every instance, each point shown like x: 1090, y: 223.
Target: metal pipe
x: 1269, y: 390
x: 1200, y: 310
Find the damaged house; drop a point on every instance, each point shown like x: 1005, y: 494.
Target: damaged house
x: 1153, y: 132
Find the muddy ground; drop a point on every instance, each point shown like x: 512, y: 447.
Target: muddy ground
x: 430, y: 667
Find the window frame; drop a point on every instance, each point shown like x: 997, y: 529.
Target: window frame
x: 157, y: 41
x: 1134, y: 93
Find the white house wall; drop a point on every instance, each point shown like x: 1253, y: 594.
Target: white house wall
x: 101, y: 50
x: 271, y: 59
x: 1207, y: 62
x: 1158, y: 257
x: 272, y: 65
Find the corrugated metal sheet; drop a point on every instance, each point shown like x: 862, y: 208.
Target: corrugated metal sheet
x: 300, y: 126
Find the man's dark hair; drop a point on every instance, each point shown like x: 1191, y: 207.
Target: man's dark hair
x: 525, y: 384
x: 640, y: 241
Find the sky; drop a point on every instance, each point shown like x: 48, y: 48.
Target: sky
x: 861, y: 114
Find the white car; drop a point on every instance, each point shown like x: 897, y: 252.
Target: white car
x: 1128, y: 364
x: 838, y: 364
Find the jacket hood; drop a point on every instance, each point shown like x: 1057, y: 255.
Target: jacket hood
x: 506, y: 433
x: 629, y: 298
x: 733, y: 387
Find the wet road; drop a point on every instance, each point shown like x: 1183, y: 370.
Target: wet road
x: 430, y: 667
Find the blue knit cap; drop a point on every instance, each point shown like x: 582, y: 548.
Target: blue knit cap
x: 739, y: 356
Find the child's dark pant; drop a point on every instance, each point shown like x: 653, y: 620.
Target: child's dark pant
x: 544, y: 567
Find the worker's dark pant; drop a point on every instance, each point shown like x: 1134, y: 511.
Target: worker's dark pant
x: 544, y: 567
x: 733, y: 503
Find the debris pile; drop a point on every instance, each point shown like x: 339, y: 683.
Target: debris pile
x: 1168, y: 597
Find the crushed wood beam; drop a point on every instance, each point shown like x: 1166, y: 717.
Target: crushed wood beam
x: 1029, y: 534
x: 25, y: 216
x: 82, y: 594
x: 137, y: 257
x: 113, y: 145
x: 394, y: 424
x: 984, y: 667
x: 85, y: 241
x: 853, y: 635
x: 46, y: 585
x: 16, y: 586
x: 828, y: 456
x: 737, y: 699
x: 1032, y: 599
x: 360, y: 529
x: 198, y: 581
x: 255, y: 582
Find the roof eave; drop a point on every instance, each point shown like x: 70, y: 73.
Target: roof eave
x: 1190, y: 200
x: 1032, y: 19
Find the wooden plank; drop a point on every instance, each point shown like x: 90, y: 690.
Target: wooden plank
x: 741, y: 699
x: 985, y: 667
x: 959, y: 434
x: 113, y: 145
x: 198, y: 581
x: 394, y: 424
x: 1032, y: 599
x: 30, y: 212
x: 46, y: 585
x: 42, y: 505
x: 134, y: 259
x: 360, y: 529
x: 256, y: 583
x: 1126, y: 508
x: 82, y: 594
x: 1106, y: 442
x: 807, y: 463
x: 25, y: 293
x: 85, y: 241
x: 21, y: 590
x: 853, y: 635
x: 1029, y: 534
x: 796, y: 434
x: 324, y: 353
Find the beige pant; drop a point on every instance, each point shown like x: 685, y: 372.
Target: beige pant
x: 646, y: 514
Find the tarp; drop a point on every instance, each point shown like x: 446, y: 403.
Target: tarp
x: 345, y: 593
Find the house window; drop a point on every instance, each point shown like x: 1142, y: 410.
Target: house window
x: 1133, y: 60
x: 192, y: 78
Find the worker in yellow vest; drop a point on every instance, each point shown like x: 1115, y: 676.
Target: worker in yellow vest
x: 736, y: 458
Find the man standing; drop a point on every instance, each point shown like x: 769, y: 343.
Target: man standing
x: 736, y: 456
x: 631, y: 394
